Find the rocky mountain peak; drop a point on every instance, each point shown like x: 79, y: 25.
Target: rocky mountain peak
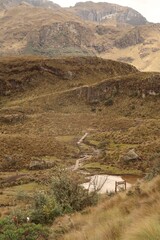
x: 103, y: 12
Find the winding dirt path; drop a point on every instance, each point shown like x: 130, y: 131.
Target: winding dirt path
x: 86, y: 157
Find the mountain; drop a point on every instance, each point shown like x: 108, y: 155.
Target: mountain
x: 107, y: 12
x: 66, y: 114
x: 88, y: 29
x: 5, y: 4
x: 44, y: 31
x: 138, y: 46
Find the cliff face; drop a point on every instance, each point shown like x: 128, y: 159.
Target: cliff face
x: 131, y: 38
x: 37, y: 27
x: 44, y: 31
x: 105, y: 12
x: 138, y: 85
x: 58, y: 38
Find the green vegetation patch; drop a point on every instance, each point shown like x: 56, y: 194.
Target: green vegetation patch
x: 66, y: 139
x: 11, y: 229
x: 102, y: 168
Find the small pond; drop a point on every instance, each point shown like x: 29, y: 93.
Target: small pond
x: 106, y: 183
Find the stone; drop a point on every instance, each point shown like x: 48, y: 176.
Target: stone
x: 40, y: 164
x: 131, y: 155
x: 37, y: 165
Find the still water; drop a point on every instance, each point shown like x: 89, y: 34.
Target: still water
x: 106, y: 183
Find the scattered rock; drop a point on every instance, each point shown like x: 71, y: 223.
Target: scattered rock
x: 131, y: 155
x: 40, y: 164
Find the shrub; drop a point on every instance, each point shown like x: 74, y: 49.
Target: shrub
x: 155, y: 171
x: 23, y: 196
x: 45, y: 209
x: 70, y: 195
x: 94, y: 102
x: 93, y: 109
x: 21, y: 216
x: 8, y: 163
x: 109, y: 102
x: 28, y: 231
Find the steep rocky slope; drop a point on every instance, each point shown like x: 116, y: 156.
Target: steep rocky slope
x: 44, y: 31
x: 124, y: 35
x: 139, y: 46
x: 107, y: 13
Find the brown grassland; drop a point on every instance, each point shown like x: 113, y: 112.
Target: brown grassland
x: 47, y: 105
x: 127, y: 216
x: 43, y: 99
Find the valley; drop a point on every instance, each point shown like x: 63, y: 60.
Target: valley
x: 47, y: 105
x: 58, y: 105
x: 79, y: 122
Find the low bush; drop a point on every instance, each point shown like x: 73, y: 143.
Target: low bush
x: 70, y: 195
x: 9, y: 230
x: 109, y: 102
x: 155, y: 171
x: 45, y: 208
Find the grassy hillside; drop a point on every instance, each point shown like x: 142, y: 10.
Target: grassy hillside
x: 138, y: 46
x: 128, y: 216
x: 47, y: 105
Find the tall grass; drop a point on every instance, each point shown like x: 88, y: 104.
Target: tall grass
x: 134, y: 216
x: 148, y: 229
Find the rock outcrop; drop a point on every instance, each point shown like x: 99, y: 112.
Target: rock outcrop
x: 103, y: 12
x: 60, y: 37
x: 40, y: 164
x: 131, y: 155
x: 133, y: 37
x: 138, y: 85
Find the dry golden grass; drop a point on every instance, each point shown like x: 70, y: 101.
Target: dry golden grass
x: 141, y: 54
x: 40, y: 105
x: 123, y: 217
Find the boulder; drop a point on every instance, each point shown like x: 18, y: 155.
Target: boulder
x: 40, y: 164
x: 131, y: 155
x: 37, y: 165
